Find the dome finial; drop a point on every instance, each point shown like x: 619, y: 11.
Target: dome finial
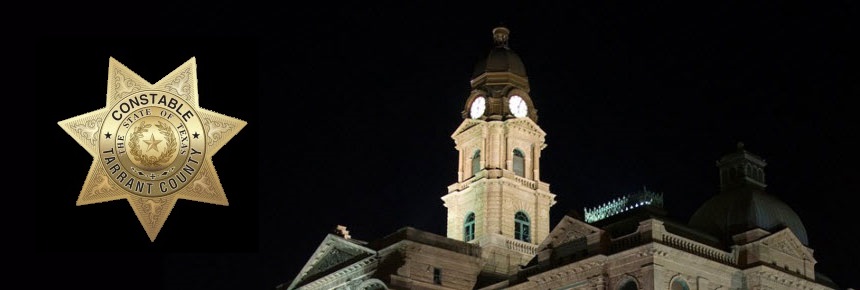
x: 500, y: 36
x: 740, y: 146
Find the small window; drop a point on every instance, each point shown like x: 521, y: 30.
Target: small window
x: 522, y: 227
x: 476, y: 162
x: 629, y: 285
x: 679, y: 284
x: 469, y: 228
x: 437, y: 276
x: 519, y: 163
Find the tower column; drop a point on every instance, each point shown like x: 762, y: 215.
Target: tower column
x: 460, y: 166
x: 485, y: 152
x: 535, y: 164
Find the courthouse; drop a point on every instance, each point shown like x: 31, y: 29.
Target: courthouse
x: 499, y: 234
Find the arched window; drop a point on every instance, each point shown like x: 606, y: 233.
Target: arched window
x: 679, y: 284
x: 519, y: 163
x: 629, y: 285
x: 522, y: 227
x: 372, y: 284
x: 476, y: 162
x: 469, y: 227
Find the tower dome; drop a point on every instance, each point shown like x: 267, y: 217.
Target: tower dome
x: 500, y: 87
x: 501, y: 57
x: 743, y: 204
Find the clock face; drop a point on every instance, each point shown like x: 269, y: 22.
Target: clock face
x: 518, y: 106
x: 478, y: 107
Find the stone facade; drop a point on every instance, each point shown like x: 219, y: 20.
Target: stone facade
x: 495, y: 193
x: 580, y: 256
x: 575, y: 255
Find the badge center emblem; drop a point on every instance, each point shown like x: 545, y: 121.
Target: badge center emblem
x: 157, y: 146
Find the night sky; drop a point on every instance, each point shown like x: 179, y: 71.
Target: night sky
x: 350, y: 111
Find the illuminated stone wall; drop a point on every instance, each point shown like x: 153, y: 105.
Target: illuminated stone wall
x: 495, y: 193
x: 654, y: 258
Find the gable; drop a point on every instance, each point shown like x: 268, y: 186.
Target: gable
x: 331, y: 254
x: 331, y: 258
x: 567, y: 230
x: 786, y: 242
x: 527, y: 126
x: 465, y: 126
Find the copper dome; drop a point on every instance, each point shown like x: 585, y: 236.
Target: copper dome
x: 731, y: 213
x: 501, y: 59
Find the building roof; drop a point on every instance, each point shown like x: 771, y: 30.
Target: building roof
x: 734, y: 212
x: 501, y: 58
x: 427, y: 238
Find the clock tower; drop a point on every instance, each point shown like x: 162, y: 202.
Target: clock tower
x: 499, y: 201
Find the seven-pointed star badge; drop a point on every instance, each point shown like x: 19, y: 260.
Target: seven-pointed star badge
x: 152, y: 144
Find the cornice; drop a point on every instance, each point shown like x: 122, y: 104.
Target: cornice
x: 782, y: 278
x: 340, y: 273
x: 578, y: 269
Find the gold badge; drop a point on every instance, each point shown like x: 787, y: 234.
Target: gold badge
x: 152, y: 144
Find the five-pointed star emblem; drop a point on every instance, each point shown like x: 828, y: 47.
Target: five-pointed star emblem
x: 153, y: 144
x: 152, y: 184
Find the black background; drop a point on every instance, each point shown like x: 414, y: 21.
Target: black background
x: 350, y: 111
